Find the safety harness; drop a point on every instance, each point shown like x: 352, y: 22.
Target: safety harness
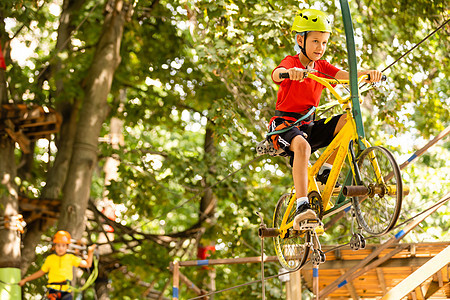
x: 288, y: 125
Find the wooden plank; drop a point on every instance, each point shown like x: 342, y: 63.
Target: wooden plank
x: 19, y: 138
x: 381, y: 280
x: 350, y: 275
x: 391, y: 263
x: 351, y: 288
x: 440, y: 278
x: 36, y: 124
x: 420, y: 275
x: 432, y: 289
x: 418, y: 292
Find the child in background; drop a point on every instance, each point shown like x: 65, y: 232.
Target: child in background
x: 59, y: 267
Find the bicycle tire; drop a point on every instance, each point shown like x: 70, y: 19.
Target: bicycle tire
x: 378, y: 213
x: 292, y: 251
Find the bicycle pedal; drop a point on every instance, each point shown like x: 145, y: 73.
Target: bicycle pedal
x: 310, y: 224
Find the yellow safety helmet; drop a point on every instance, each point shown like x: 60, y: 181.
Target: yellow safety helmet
x: 62, y: 237
x: 311, y: 20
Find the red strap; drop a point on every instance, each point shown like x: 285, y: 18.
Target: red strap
x: 274, y: 137
x: 2, y: 59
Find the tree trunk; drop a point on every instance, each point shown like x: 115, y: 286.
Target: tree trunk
x: 93, y: 112
x: 68, y: 109
x: 9, y: 210
x: 208, y: 201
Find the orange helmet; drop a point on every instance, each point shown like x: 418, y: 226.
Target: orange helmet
x: 61, y: 237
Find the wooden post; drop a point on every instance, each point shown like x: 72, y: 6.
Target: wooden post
x: 316, y: 281
x: 212, y: 284
x: 294, y: 286
x: 176, y: 280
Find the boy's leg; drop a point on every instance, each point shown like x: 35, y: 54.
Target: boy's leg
x: 296, y: 146
x: 302, y: 152
x: 66, y: 296
x: 339, y: 125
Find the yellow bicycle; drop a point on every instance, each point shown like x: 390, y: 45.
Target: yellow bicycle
x: 372, y: 188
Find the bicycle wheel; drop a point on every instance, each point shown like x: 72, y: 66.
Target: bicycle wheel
x: 293, y: 249
x: 378, y: 212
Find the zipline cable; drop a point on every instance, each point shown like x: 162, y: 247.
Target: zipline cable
x: 423, y: 40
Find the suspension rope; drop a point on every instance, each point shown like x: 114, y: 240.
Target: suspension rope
x: 250, y: 282
x: 90, y: 280
x: 420, y: 213
x: 423, y: 40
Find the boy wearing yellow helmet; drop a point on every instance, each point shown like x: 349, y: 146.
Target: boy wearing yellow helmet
x: 59, y: 267
x: 297, y: 96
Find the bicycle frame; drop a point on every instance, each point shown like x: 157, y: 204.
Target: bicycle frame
x: 340, y: 143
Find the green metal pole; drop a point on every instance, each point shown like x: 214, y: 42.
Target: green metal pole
x: 348, y: 26
x: 356, y: 110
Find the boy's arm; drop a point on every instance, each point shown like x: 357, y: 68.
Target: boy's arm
x: 32, y: 277
x: 375, y: 76
x: 88, y: 262
x: 294, y: 74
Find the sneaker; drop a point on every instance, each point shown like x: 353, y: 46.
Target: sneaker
x: 323, y: 177
x: 304, y: 212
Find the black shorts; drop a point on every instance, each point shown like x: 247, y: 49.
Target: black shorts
x: 320, y: 134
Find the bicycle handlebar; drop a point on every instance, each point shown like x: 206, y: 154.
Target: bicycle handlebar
x: 383, y: 77
x: 286, y: 74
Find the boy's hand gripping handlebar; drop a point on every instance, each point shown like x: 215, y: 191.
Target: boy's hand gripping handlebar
x: 305, y: 71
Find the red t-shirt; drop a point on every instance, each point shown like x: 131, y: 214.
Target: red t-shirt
x: 295, y: 96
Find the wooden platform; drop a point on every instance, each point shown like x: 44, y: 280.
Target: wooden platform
x: 25, y: 123
x: 36, y: 208
x: 377, y: 281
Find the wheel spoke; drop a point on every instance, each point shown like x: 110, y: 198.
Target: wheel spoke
x: 378, y: 213
x: 291, y: 250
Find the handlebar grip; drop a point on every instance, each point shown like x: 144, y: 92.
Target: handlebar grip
x: 383, y: 78
x: 284, y: 75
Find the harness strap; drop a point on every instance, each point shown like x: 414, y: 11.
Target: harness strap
x: 59, y: 283
x: 279, y: 113
x: 302, y: 118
